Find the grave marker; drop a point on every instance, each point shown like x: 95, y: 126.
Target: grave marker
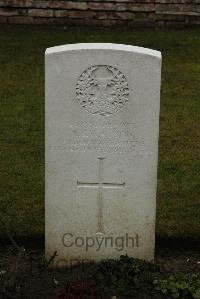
x: 102, y: 127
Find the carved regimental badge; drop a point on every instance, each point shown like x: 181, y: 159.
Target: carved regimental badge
x: 102, y: 89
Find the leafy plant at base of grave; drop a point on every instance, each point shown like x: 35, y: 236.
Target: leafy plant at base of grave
x: 126, y: 276
x: 180, y: 286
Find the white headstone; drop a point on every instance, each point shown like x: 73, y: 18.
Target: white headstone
x: 102, y: 127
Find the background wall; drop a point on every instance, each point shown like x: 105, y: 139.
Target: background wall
x: 101, y: 12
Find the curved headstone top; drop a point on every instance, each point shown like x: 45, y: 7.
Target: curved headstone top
x: 103, y: 46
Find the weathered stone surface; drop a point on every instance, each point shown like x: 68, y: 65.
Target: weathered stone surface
x: 41, y: 4
x: 175, y: 7
x: 145, y: 7
x: 17, y: 3
x: 21, y: 20
x: 176, y: 15
x: 102, y: 127
x: 45, y: 13
x: 115, y: 15
x: 102, y: 6
x: 69, y: 5
x: 74, y: 14
x: 102, y: 12
x: 11, y: 12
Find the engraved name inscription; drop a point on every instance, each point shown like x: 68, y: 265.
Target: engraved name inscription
x: 102, y: 90
x: 111, y: 138
x: 85, y: 136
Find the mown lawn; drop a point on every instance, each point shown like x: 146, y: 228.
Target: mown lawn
x: 22, y: 123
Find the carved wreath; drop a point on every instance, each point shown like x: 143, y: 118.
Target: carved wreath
x: 102, y: 89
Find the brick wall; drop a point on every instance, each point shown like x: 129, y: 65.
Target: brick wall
x: 101, y: 12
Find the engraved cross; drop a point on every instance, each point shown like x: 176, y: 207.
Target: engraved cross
x: 100, y: 185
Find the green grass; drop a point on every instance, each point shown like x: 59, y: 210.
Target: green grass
x: 22, y: 123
